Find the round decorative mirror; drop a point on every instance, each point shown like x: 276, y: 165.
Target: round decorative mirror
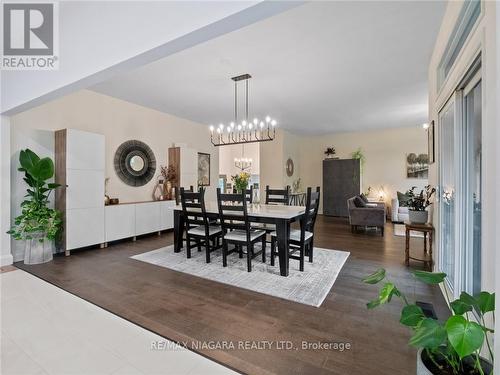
x: 289, y: 167
x: 135, y: 163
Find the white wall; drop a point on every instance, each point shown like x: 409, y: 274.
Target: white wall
x: 5, y: 252
x: 118, y: 121
x: 385, y: 151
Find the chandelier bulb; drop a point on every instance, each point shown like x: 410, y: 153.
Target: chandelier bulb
x: 211, y: 128
x: 268, y: 119
x: 273, y: 122
x: 255, y: 121
x: 261, y: 124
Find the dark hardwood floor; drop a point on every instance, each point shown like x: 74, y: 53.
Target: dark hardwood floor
x: 184, y: 308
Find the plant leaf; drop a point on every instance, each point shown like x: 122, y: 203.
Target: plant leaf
x: 411, y: 315
x: 485, y: 302
x: 28, y: 159
x: 375, y: 277
x: 430, y: 277
x: 43, y: 170
x: 460, y: 307
x: 468, y: 299
x: 428, y: 334
x: 372, y: 304
x: 386, y: 293
x: 464, y: 336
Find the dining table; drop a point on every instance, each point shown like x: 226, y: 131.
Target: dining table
x: 281, y: 216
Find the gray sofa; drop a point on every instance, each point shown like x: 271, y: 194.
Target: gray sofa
x: 370, y: 216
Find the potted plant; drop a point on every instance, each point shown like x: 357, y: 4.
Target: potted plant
x: 330, y: 152
x: 241, y: 181
x: 38, y: 225
x: 358, y: 154
x: 451, y: 347
x: 418, y: 203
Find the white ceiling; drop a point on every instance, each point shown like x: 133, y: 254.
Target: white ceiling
x: 318, y: 68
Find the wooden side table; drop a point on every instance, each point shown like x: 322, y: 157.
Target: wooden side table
x: 426, y: 229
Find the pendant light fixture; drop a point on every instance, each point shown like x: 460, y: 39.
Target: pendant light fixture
x: 246, y: 130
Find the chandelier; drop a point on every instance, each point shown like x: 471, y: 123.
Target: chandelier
x: 243, y: 163
x: 245, y: 131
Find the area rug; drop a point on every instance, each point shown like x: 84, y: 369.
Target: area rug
x: 309, y: 287
x: 400, y: 230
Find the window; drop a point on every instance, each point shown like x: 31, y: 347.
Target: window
x: 466, y: 20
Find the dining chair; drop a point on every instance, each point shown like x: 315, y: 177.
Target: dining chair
x: 178, y: 195
x: 236, y: 228
x: 248, y: 194
x: 198, y: 227
x: 278, y: 196
x: 274, y: 197
x: 301, y: 240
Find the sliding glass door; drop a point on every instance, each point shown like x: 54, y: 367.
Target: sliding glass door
x: 447, y: 191
x: 472, y: 188
x: 460, y: 177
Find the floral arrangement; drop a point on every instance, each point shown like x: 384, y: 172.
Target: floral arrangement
x: 169, y: 173
x: 241, y: 181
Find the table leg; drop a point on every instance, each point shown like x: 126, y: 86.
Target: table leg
x: 178, y: 230
x: 431, y: 261
x: 407, y: 248
x: 283, y: 234
x: 425, y: 242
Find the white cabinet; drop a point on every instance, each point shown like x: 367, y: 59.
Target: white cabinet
x: 84, y: 227
x: 79, y: 157
x: 167, y: 215
x: 134, y: 219
x: 147, y: 217
x: 120, y: 221
x: 85, y: 188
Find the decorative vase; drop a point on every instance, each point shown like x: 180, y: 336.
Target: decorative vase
x: 422, y: 369
x: 38, y: 249
x: 168, y: 190
x: 418, y: 217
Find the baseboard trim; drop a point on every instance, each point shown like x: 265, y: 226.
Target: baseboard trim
x: 6, y: 260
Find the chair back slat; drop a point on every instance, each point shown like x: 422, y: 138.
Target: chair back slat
x: 193, y: 208
x: 311, y: 212
x: 278, y: 196
x: 233, y: 212
x: 178, y: 193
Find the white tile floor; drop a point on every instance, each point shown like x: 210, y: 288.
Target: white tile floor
x: 45, y: 330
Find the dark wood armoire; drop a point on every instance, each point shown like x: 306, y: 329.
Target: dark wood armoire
x: 341, y: 181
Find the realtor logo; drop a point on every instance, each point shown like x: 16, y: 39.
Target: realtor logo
x: 29, y: 36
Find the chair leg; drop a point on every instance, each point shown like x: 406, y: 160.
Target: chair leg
x: 188, y: 247
x: 273, y: 249
x: 198, y: 244
x: 301, y: 264
x: 352, y: 228
x: 249, y: 257
x: 311, y: 247
x: 240, y: 250
x: 224, y: 253
x: 207, y: 249
x: 264, y: 249
x: 382, y: 230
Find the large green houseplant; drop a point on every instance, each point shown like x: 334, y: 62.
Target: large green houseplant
x: 38, y: 225
x: 418, y: 203
x: 451, y: 347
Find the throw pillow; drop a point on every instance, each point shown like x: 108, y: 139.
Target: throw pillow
x: 362, y: 196
x: 358, y: 202
x: 403, y: 199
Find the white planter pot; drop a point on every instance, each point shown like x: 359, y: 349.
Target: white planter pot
x: 421, y: 368
x: 418, y: 217
x: 37, y: 250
